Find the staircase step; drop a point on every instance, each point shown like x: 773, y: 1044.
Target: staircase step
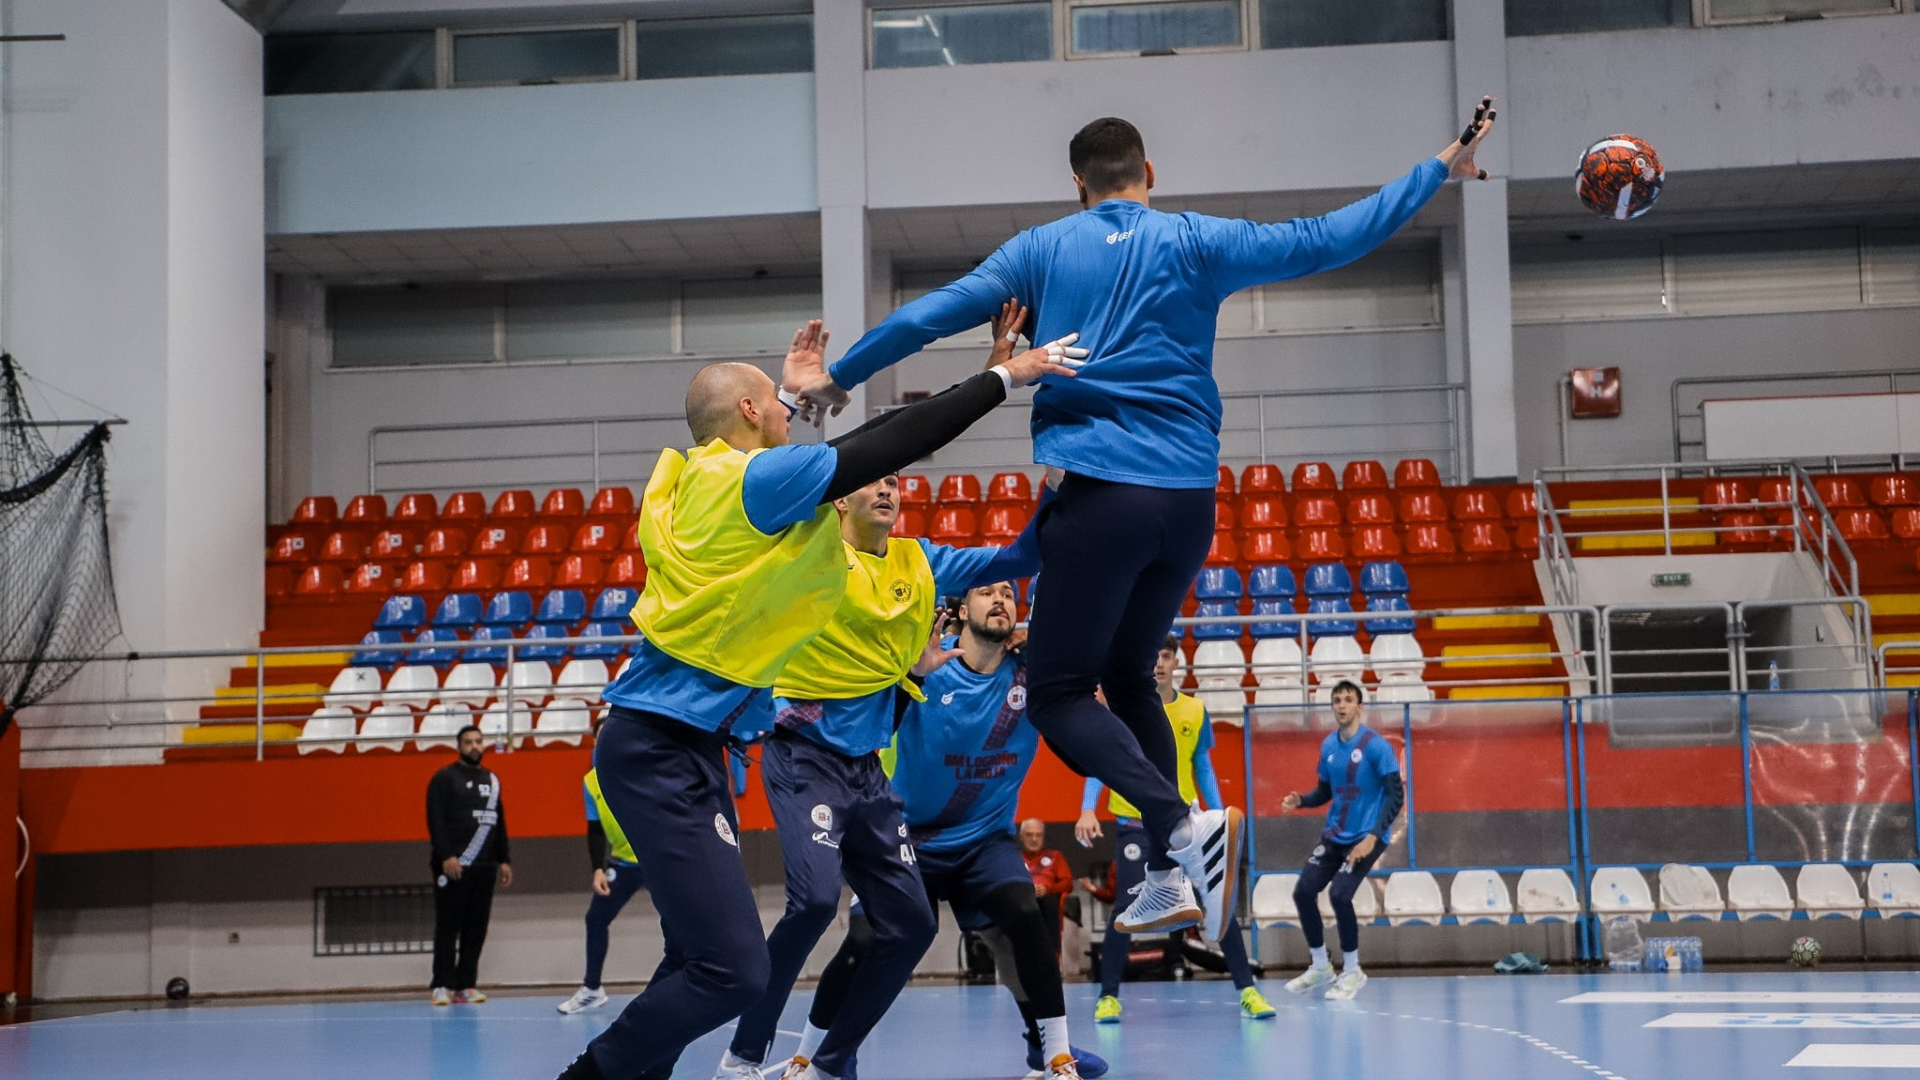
x: 1887, y: 605
x: 1505, y: 654
x: 312, y: 659
x: 1525, y: 690
x: 219, y: 734
x: 1486, y: 622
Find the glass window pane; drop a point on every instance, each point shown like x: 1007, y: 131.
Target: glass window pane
x: 1298, y: 24
x: 1560, y: 279
x: 1528, y: 17
x: 431, y: 324
x: 1893, y: 266
x: 745, y: 318
x: 1721, y: 10
x: 1392, y: 288
x: 1156, y: 27
x: 579, y: 319
x: 349, y: 63
x: 537, y: 56
x: 1785, y: 270
x: 756, y: 45
x: 981, y: 34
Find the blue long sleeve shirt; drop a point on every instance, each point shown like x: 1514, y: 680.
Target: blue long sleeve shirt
x: 1143, y: 289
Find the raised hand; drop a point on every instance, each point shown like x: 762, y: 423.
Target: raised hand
x: 1006, y: 331
x: 934, y: 657
x: 804, y: 374
x: 1058, y: 357
x: 1458, y: 156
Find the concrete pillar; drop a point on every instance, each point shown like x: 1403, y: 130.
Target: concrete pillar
x: 1486, y: 332
x: 840, y: 132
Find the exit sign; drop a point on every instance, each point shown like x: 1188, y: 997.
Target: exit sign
x: 1665, y: 581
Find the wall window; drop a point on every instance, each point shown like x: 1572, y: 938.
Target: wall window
x: 1298, y: 24
x: 742, y: 318
x: 1720, y: 273
x: 1391, y: 289
x: 1893, y: 266
x: 974, y: 34
x: 588, y: 319
x: 349, y: 63
x: 748, y: 45
x: 1725, y: 11
x: 428, y: 324
x: 1562, y: 279
x: 525, y: 57
x: 1529, y: 17
x: 1153, y: 26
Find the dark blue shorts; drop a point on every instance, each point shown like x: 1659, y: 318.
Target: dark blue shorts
x: 963, y: 875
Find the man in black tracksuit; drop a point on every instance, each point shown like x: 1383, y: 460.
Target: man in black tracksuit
x: 467, y: 822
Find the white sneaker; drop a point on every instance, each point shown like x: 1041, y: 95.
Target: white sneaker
x: 798, y: 1069
x: 1212, y: 862
x: 1347, y: 985
x: 441, y: 996
x: 583, y: 999
x: 1318, y: 975
x: 1157, y: 907
x: 733, y: 1068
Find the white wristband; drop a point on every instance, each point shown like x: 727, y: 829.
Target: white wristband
x: 790, y: 399
x: 1006, y: 376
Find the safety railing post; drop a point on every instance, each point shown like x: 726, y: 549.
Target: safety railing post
x: 1666, y: 513
x: 1913, y: 762
x: 1746, y: 772
x: 506, y: 699
x: 259, y: 707
x: 1406, y: 736
x: 1583, y: 857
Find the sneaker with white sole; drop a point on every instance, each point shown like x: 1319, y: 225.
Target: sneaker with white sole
x: 442, y: 996
x: 1063, y: 1067
x: 797, y: 1069
x: 733, y: 1068
x: 1211, y: 860
x: 1159, y: 906
x: 1317, y: 975
x: 587, y: 997
x: 1347, y: 985
x: 469, y: 997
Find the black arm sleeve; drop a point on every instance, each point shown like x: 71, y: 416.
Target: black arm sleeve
x: 436, y: 820
x: 1393, y: 795
x: 1319, y: 796
x: 597, y: 845
x: 500, y: 831
x: 904, y: 436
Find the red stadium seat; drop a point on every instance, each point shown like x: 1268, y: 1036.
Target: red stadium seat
x: 596, y: 536
x: 1526, y: 537
x: 612, y: 502
x: 1375, y: 542
x: 912, y: 522
x: 476, y: 575
x: 627, y: 568
x: 1522, y: 505
x: 464, y: 506
x: 563, y: 503
x: 1429, y: 542
x: 444, y: 544
x: 579, y: 572
x: 1263, y: 478
x: 513, y: 505
x: 1363, y: 476
x: 1774, y: 489
x: 954, y: 525
x: 279, y: 581
x: 315, y: 510
x: 528, y: 572
x: 318, y: 582
x: 1859, y: 523
x: 1314, y: 476
x: 1261, y: 546
x: 393, y: 545
x: 423, y: 576
x: 370, y: 577
x: 915, y: 490
x: 419, y: 509
x: 1002, y: 524
x: 289, y: 549
x: 1010, y: 487
x: 1417, y: 507
x: 495, y: 540
x: 1224, y: 519
x: 1745, y: 530
x: 1476, y: 504
x: 1224, y: 551
x: 1316, y: 512
x: 1223, y: 487
x: 1723, y: 494
x: 1261, y: 512
x: 959, y: 487
x: 1905, y: 523
x: 1484, y: 540
x: 544, y: 540
x: 1370, y: 509
x: 1898, y: 489
x: 344, y: 547
x: 1320, y: 545
x: 1838, y: 491
x: 630, y: 537
x: 1416, y: 473
x: 366, y: 510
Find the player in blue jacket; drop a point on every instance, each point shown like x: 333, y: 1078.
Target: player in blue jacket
x: 1361, y: 789
x: 1137, y: 436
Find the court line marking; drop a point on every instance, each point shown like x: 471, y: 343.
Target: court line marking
x: 1787, y: 1021
x: 1857, y: 1056
x: 1744, y: 997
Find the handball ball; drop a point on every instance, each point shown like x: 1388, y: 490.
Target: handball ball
x: 1619, y: 177
x: 1805, y: 952
x: 176, y: 989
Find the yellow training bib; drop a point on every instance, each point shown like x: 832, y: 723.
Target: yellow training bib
x: 1189, y: 719
x: 875, y: 634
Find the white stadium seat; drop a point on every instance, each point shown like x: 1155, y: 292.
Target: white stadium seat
x: 1413, y: 896
x: 565, y: 720
x: 1396, y: 658
x: 531, y: 680
x: 1278, y: 668
x: 328, y: 729
x: 583, y: 679
x: 1366, y: 902
x: 498, y: 722
x: 354, y: 688
x: 1478, y: 896
x: 445, y: 721
x: 1546, y: 894
x: 1273, y: 900
x: 1403, y: 693
x: 384, y: 728
x: 1620, y: 890
x: 412, y: 685
x: 1219, y: 668
x: 1827, y: 890
x: 1689, y: 892
x: 469, y: 684
x: 1894, y: 889
x: 1758, y: 892
x: 1335, y: 658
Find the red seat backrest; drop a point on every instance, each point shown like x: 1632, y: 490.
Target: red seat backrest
x: 1723, y: 493
x: 1375, y: 542
x: 1314, y: 476
x: 1262, y: 478
x: 1774, y: 489
x: 279, y: 581
x: 498, y: 540
x: 1010, y: 488
x: 1422, y: 506
x: 1363, y: 476
x: 444, y: 544
x: 1523, y: 505
x: 1316, y: 512
x: 529, y: 572
x: 370, y: 577
x: 291, y: 548
x: 1261, y: 546
x: 627, y: 568
x: 393, y: 544
x: 1906, y: 522
x: 1262, y: 512
x: 596, y: 536
x: 418, y: 507
x: 1223, y: 516
x: 1895, y: 490
x: 578, y: 571
x: 911, y: 522
x: 1484, y: 537
x: 1526, y: 535
x: 1475, y: 504
x: 1002, y: 523
x: 315, y: 510
x: 563, y: 502
x: 423, y: 576
x: 1370, y: 509
x: 1838, y: 491
x: 544, y: 540
x: 1321, y: 545
x: 1224, y: 485
x: 612, y: 502
x: 513, y: 504
x: 959, y: 487
x: 1429, y: 539
x: 319, y: 580
x: 464, y: 506
x: 1859, y: 523
x: 1744, y: 528
x: 344, y: 546
x: 915, y: 490
x: 1416, y: 473
x: 1223, y: 552
x: 954, y: 523
x: 366, y: 510
x: 476, y: 575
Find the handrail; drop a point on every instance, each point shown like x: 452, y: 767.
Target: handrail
x: 1554, y: 547
x: 1735, y: 638
x: 1859, y: 615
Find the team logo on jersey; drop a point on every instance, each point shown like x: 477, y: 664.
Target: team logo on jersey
x: 947, y: 698
x: 1355, y: 756
x: 725, y: 830
x: 1046, y: 860
x: 823, y: 816
x: 903, y: 830
x: 1017, y: 698
x: 1116, y: 237
x: 1329, y: 759
x: 902, y: 590
x: 1131, y: 852
x: 825, y: 839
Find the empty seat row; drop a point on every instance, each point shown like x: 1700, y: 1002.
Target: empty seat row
x: 465, y: 507
x: 398, y: 543
x: 392, y: 727
x: 1320, y: 476
x: 1253, y: 512
x: 1475, y: 541
x: 1414, y: 897
x: 1759, y: 891
x: 418, y: 685
x: 323, y: 581
x: 1275, y: 582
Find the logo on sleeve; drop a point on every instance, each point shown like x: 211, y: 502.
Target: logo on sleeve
x: 725, y: 830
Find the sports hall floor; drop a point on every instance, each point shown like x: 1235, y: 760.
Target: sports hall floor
x: 1746, y: 1026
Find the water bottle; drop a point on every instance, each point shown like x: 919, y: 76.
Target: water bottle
x: 1886, y: 889
x: 1773, y: 674
x: 1492, y: 901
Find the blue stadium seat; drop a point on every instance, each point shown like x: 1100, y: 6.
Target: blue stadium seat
x: 1216, y: 631
x: 458, y: 611
x: 562, y: 607
x: 1388, y: 626
x: 440, y: 658
x: 1329, y: 579
x: 1217, y: 583
x: 384, y: 660
x: 554, y: 653
x: 1383, y: 579
x: 1330, y: 627
x: 614, y: 603
x: 508, y: 609
x: 478, y: 653
x: 1275, y: 606
x: 1272, y: 582
x: 608, y: 650
x: 403, y: 613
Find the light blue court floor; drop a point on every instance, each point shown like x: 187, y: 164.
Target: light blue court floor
x: 1749, y: 1026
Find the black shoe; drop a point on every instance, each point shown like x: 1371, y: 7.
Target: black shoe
x: 583, y: 1068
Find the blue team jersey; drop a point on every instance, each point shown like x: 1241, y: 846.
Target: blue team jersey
x: 963, y: 753
x: 1143, y: 289
x: 1355, y: 770
x: 862, y: 725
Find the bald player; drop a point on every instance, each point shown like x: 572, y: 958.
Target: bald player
x: 745, y: 566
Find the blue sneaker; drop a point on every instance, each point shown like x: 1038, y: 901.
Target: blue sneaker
x: 1091, y: 1065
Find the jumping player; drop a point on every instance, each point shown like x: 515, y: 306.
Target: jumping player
x: 1360, y: 777
x: 745, y: 566
x: 1193, y: 736
x: 1138, y: 439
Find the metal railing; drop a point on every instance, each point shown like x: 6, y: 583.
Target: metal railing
x: 594, y: 450
x: 1853, y: 659
x: 1554, y: 550
x: 1692, y: 415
